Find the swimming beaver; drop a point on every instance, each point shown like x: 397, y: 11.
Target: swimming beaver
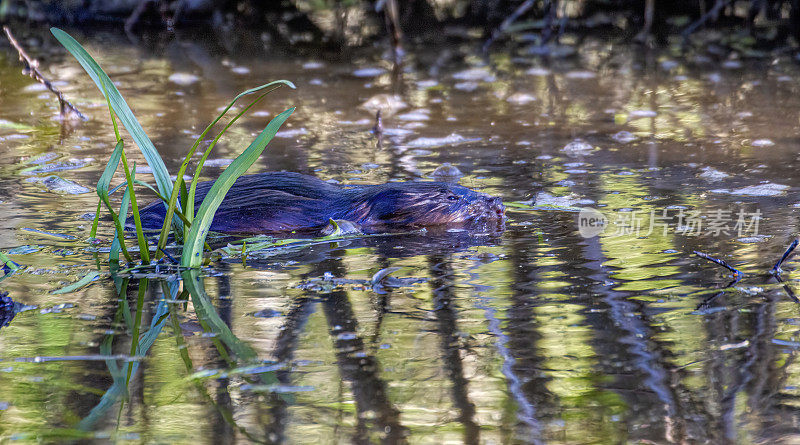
x: 281, y: 202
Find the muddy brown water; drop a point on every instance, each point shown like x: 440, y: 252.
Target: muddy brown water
x: 539, y: 334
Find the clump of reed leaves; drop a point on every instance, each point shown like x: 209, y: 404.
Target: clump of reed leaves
x: 188, y: 225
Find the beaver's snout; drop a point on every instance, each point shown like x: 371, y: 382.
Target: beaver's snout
x: 485, y: 209
x: 496, y: 205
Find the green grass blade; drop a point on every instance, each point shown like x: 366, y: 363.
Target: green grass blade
x: 123, y: 210
x: 189, y: 208
x: 111, y: 167
x: 121, y: 109
x: 193, y: 243
x: 102, y: 192
x: 113, y: 255
x: 173, y: 198
x: 144, y: 250
x: 8, y: 263
x: 88, y: 278
x: 184, y: 194
x: 207, y: 314
x: 96, y: 221
x: 177, y: 213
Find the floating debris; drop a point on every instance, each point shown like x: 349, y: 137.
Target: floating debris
x: 447, y: 172
x: 452, y: 139
x: 313, y: 65
x: 267, y: 313
x: 753, y: 239
x: 767, y: 189
x: 388, y: 104
x: 624, y: 137
x: 72, y: 164
x: 24, y: 250
x: 380, y: 280
x: 341, y: 227
x: 57, y: 309
x: 47, y: 157
x: 241, y: 70
x: 55, y: 235
x: 578, y: 147
x: 60, y: 185
x: 84, y: 281
x: 712, y: 174
x: 183, y: 79
x: 547, y: 201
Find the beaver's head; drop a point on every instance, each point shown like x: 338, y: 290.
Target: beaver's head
x: 420, y: 204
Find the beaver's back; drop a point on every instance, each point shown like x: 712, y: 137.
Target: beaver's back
x: 265, y: 203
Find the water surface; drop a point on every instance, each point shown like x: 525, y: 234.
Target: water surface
x: 536, y: 335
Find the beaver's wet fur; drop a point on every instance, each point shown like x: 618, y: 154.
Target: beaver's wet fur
x: 283, y: 202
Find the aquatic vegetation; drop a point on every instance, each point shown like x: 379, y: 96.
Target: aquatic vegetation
x: 88, y: 278
x: 188, y: 226
x: 8, y: 266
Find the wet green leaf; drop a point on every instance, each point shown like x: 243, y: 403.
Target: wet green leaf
x: 87, y: 279
x: 195, y: 239
x: 121, y: 109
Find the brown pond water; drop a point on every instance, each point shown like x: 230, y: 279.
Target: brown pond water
x: 537, y: 335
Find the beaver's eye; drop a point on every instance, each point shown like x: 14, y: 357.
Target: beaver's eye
x: 453, y: 198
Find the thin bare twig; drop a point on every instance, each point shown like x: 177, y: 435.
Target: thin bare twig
x: 378, y: 128
x: 722, y: 263
x: 776, y: 270
x: 713, y: 13
x: 391, y: 14
x: 521, y: 9
x: 705, y: 304
x: 31, y: 68
x: 649, y: 11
